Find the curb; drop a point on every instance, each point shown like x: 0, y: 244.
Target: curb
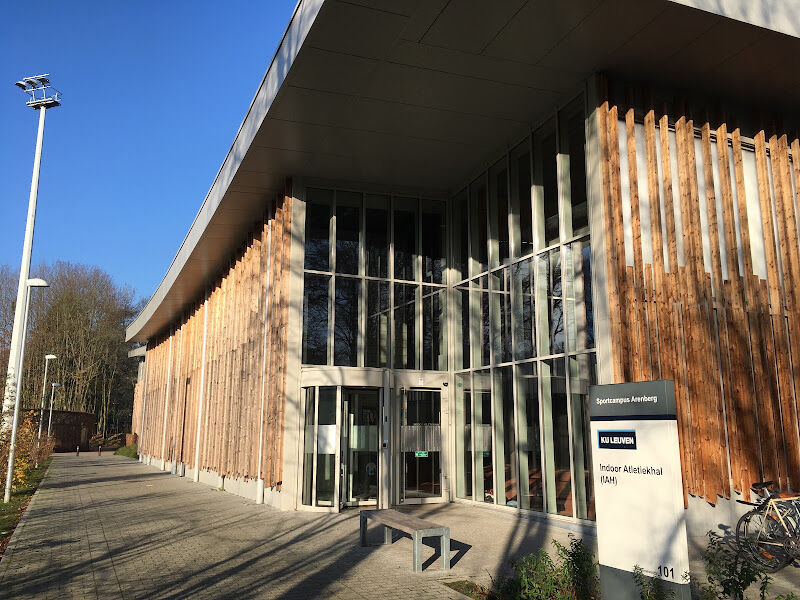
x: 12, y: 543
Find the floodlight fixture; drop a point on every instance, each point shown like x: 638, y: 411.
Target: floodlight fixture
x: 42, y: 94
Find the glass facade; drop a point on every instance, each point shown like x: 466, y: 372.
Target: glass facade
x: 523, y: 349
x: 506, y: 263
x: 374, y: 283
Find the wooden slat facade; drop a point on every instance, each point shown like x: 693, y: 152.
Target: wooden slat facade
x: 703, y: 302
x: 244, y: 372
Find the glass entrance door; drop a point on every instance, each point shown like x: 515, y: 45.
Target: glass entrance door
x: 359, y: 444
x: 340, y: 456
x: 420, y: 446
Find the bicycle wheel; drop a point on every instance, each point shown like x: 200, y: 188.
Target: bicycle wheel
x: 761, y: 538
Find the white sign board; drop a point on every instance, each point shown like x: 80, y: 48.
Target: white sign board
x: 638, y: 488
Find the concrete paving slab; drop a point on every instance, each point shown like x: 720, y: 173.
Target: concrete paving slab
x: 110, y: 527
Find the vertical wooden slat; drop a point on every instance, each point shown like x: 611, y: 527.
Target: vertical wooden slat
x: 611, y: 247
x: 776, y: 318
x: 642, y: 364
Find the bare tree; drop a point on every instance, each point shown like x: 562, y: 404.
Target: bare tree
x: 81, y: 318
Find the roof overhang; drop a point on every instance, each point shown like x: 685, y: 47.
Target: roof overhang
x: 421, y: 94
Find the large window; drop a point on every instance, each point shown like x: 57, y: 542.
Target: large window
x: 523, y: 345
x: 375, y: 281
x: 505, y: 263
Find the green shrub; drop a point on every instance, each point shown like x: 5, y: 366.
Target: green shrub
x: 651, y: 588
x: 131, y: 451
x: 572, y: 576
x: 728, y: 571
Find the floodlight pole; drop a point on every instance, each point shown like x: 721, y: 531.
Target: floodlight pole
x: 14, y: 364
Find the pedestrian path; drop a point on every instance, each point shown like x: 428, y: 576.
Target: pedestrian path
x: 109, y: 527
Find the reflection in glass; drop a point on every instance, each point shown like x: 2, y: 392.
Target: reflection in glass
x: 582, y: 374
x: 420, y: 440
x: 377, y: 338
x: 478, y: 232
x: 498, y: 200
x: 405, y: 238
x: 434, y: 340
x: 555, y: 420
x: 530, y: 457
x: 480, y: 300
x: 580, y: 312
x: 348, y: 231
x: 433, y: 241
x: 504, y: 439
x: 361, y: 439
x: 460, y: 224
x: 376, y: 235
x: 345, y: 323
x: 501, y: 316
x: 463, y: 397
x: 549, y: 298
x: 405, y: 323
x: 315, y: 319
x: 522, y: 288
x: 308, y: 448
x: 326, y: 446
x: 462, y: 321
x: 318, y: 218
x: 482, y: 408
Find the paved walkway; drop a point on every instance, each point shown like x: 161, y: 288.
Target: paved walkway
x: 111, y: 527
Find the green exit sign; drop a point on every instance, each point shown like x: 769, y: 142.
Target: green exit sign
x: 421, y: 454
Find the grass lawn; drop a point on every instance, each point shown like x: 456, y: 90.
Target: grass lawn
x: 131, y: 451
x: 11, y: 513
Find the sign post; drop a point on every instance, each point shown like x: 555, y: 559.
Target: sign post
x: 638, y: 487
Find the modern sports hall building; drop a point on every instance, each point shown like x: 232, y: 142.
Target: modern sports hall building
x: 441, y: 221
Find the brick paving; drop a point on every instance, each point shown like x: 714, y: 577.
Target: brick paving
x: 109, y: 527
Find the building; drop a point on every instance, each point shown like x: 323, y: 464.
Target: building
x: 70, y: 429
x: 440, y: 222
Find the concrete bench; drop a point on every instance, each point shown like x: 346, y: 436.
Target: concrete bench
x: 417, y: 528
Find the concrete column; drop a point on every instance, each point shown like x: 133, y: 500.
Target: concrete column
x: 292, y: 446
x: 166, y: 399
x: 201, y: 393
x: 265, y: 347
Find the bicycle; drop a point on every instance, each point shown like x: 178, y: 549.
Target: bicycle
x: 770, y: 533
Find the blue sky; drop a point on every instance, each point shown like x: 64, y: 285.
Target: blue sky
x: 154, y: 93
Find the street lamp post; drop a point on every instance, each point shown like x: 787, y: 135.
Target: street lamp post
x: 41, y: 97
x: 12, y: 448
x: 47, y: 359
x: 50, y: 420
